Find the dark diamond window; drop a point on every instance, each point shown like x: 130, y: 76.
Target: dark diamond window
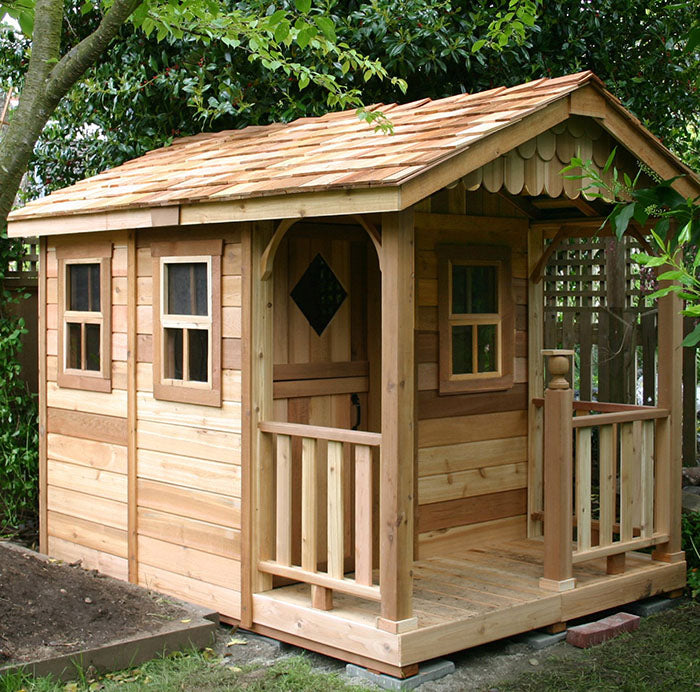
x: 319, y: 294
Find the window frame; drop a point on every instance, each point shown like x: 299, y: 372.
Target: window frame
x: 504, y: 319
x: 67, y: 255
x: 181, y: 252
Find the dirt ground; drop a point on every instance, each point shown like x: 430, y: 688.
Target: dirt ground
x: 49, y: 608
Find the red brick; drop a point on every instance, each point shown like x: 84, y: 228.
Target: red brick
x: 598, y: 632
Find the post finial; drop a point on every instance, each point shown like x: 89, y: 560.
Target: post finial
x: 558, y: 367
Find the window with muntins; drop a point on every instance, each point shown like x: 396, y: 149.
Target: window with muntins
x: 476, y: 318
x: 84, y: 316
x: 187, y: 322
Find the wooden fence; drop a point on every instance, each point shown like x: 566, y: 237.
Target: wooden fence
x: 596, y: 305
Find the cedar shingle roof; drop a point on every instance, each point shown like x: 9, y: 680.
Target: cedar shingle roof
x: 334, y: 152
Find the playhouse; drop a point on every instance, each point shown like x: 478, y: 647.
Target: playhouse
x: 295, y: 373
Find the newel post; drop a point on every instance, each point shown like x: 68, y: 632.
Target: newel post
x: 558, y: 474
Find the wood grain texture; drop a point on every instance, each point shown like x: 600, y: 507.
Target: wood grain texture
x: 42, y: 403
x: 478, y: 481
x: 87, y: 426
x: 104, y: 539
x: 222, y: 510
x: 227, y: 601
x: 89, y: 558
x: 473, y: 510
x: 397, y: 413
x: 460, y: 429
x: 88, y: 480
x: 186, y: 472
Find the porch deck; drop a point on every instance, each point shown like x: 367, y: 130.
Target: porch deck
x: 488, y: 593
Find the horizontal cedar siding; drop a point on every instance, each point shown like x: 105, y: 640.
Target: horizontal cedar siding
x: 86, y: 438
x: 189, y: 457
x: 472, y: 447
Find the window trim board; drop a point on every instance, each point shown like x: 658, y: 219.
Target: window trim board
x: 476, y: 382
x: 99, y: 252
x: 188, y: 392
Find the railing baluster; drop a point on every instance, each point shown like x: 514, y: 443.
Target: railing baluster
x: 607, y: 453
x: 583, y: 488
x: 628, y: 462
x: 284, y: 500
x: 363, y: 515
x: 328, y: 482
x: 647, y: 478
x: 336, y: 511
x: 309, y: 509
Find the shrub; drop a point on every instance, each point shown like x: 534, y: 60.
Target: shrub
x: 691, y: 545
x: 19, y: 437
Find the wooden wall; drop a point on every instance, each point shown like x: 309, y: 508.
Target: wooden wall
x: 472, y: 448
x: 87, y: 439
x: 186, y: 458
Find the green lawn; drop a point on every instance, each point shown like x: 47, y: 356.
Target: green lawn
x: 664, y: 654
x: 195, y: 671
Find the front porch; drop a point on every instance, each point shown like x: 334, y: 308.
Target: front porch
x: 489, y: 592
x: 337, y: 562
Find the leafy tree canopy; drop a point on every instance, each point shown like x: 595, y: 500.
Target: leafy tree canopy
x: 143, y: 92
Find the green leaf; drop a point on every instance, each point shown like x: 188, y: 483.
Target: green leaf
x: 327, y: 27
x: 622, y: 218
x: 275, y: 18
x: 26, y: 23
x: 478, y: 45
x: 281, y: 31
x: 304, y: 6
x: 684, y: 235
x: 654, y: 261
x: 672, y: 275
x: 305, y: 36
x: 693, y: 338
x: 611, y: 158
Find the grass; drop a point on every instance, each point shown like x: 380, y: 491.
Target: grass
x: 662, y: 655
x: 193, y: 671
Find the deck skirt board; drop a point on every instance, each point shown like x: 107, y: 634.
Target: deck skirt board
x: 485, y: 594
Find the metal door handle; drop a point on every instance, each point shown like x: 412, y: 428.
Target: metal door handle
x: 355, y: 401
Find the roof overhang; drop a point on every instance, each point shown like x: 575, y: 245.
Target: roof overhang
x: 589, y: 100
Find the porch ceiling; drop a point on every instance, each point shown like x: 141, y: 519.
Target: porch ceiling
x: 330, y: 165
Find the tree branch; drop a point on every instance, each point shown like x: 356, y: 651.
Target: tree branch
x: 81, y: 57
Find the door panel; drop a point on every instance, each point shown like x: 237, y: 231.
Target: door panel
x: 326, y: 369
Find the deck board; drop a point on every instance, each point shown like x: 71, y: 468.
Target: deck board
x: 486, y: 593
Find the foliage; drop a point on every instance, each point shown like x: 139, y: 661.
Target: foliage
x: 18, y: 410
x: 156, y: 91
x: 691, y: 545
x: 676, y: 232
x: 193, y: 670
x: 661, y: 655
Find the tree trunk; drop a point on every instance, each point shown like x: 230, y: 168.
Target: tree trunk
x: 49, y: 78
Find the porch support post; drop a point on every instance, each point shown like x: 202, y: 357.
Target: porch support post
x: 668, y: 448
x: 535, y: 379
x: 258, y: 464
x: 397, y: 451
x: 558, y: 475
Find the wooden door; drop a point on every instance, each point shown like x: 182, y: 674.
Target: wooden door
x: 326, y: 344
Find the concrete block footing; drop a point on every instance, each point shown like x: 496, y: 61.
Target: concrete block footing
x: 652, y: 606
x: 434, y: 670
x: 540, y: 640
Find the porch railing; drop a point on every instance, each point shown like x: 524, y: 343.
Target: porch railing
x: 620, y: 441
x: 343, y: 446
